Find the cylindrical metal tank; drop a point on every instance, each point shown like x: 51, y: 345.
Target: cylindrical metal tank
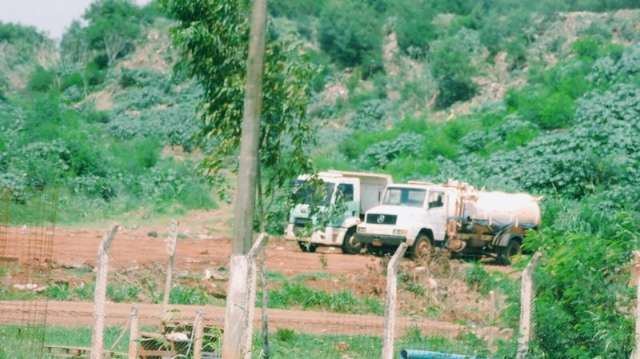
x: 501, y: 209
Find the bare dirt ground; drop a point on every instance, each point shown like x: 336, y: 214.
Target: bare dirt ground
x: 74, y: 314
x: 138, y: 247
x: 139, y: 253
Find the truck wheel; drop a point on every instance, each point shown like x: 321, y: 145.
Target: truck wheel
x: 505, y: 253
x: 350, y: 245
x: 307, y: 246
x: 421, y: 248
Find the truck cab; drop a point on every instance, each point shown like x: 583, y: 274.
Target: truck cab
x: 415, y: 213
x: 338, y: 201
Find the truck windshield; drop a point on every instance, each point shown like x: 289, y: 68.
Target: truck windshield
x: 411, y: 197
x: 306, y: 193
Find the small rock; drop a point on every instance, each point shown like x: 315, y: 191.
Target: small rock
x: 177, y: 337
x: 153, y: 234
x: 212, y: 273
x: 28, y: 286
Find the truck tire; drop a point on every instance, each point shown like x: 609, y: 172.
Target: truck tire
x: 505, y: 253
x: 307, y: 246
x: 350, y: 244
x: 421, y: 248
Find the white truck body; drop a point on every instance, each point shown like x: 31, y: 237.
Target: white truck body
x: 453, y: 215
x: 359, y: 192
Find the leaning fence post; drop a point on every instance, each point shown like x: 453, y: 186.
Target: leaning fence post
x: 171, y: 251
x: 133, y: 334
x: 636, y: 350
x: 390, y: 303
x: 525, y: 332
x: 102, y: 268
x: 238, y: 319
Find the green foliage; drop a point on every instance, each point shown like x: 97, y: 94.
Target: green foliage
x: 413, y: 25
x: 41, y: 80
x: 582, y: 291
x: 112, y: 26
x: 300, y: 9
x: 123, y: 293
x: 58, y: 291
x: 188, y: 295
x: 351, y: 33
x: 452, y: 67
x: 286, y: 131
x: 16, y: 33
x: 297, y: 294
x: 479, y: 279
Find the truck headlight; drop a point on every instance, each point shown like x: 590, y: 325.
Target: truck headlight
x: 361, y: 229
x: 399, y: 232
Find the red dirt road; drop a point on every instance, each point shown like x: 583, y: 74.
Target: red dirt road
x: 135, y: 247
x: 74, y: 314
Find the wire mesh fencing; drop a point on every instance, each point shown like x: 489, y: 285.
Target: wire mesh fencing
x: 321, y: 311
x: 26, y: 248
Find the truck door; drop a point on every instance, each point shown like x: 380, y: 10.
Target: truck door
x: 347, y: 197
x: 437, y: 213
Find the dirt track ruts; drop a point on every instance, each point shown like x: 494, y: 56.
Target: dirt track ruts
x: 75, y: 314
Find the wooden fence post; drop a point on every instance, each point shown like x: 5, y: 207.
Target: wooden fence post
x: 198, y: 332
x: 171, y: 251
x: 133, y: 333
x: 238, y: 318
x: 527, y: 293
x: 390, y: 303
x: 266, y: 351
x: 102, y: 272
x: 636, y: 350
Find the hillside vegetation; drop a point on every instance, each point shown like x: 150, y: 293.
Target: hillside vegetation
x: 92, y: 129
x: 542, y: 97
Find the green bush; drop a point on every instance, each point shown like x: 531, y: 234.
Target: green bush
x: 123, y: 293
x: 188, y: 295
x: 41, y: 80
x: 351, y: 33
x: 452, y: 67
x: 413, y: 25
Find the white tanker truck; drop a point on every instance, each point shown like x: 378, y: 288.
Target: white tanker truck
x: 454, y: 215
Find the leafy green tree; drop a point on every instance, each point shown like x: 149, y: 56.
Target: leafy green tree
x: 351, y: 33
x: 414, y: 26
x: 112, y: 26
x: 213, y: 40
x: 451, y: 65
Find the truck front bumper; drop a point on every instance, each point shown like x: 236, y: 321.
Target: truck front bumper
x: 380, y: 239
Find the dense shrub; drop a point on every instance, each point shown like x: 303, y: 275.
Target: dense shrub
x: 452, y: 67
x: 351, y: 33
x: 381, y: 153
x: 413, y: 25
x: 41, y: 79
x: 15, y: 33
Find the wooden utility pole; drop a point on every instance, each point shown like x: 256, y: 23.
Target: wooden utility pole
x: 237, y: 313
x: 527, y: 293
x: 102, y: 271
x: 245, y: 198
x: 171, y: 251
x: 390, y: 304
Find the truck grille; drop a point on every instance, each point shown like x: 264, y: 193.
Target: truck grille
x: 301, y: 222
x: 381, y: 218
